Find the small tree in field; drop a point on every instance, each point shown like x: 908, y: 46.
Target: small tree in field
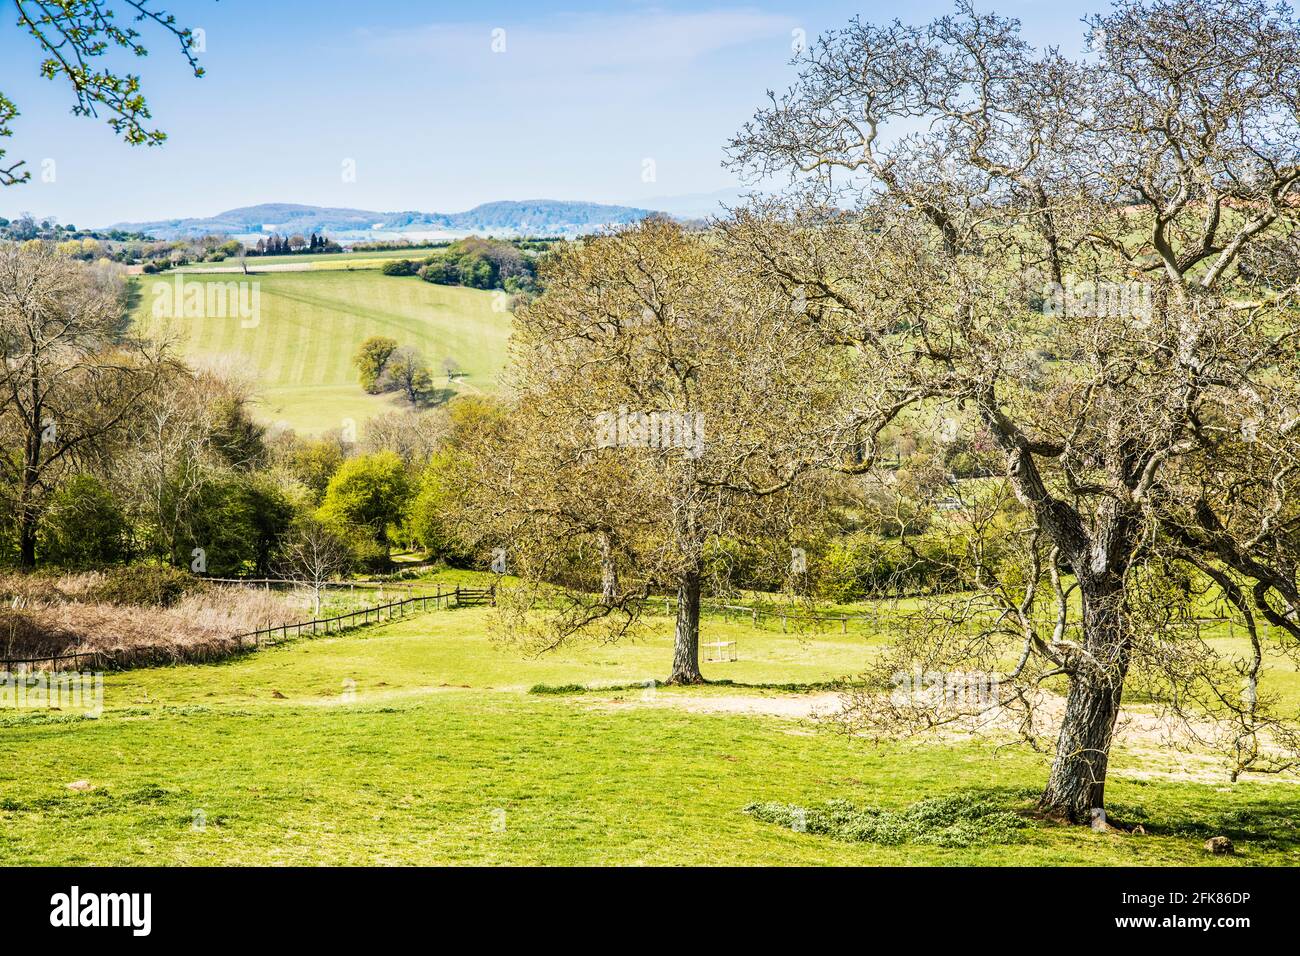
x: 315, y: 555
x: 372, y: 359
x: 1010, y: 205
x: 407, y: 372
x: 661, y: 404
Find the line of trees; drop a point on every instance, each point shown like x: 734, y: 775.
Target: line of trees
x: 278, y: 245
x: 115, y: 451
x: 477, y: 264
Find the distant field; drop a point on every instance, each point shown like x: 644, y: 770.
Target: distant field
x: 373, y: 259
x: 310, y: 324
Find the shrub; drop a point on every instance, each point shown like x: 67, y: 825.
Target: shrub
x: 557, y: 689
x: 144, y: 585
x: 399, y: 267
x: 963, y: 819
x: 83, y: 526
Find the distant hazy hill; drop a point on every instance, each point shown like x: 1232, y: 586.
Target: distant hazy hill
x: 531, y: 216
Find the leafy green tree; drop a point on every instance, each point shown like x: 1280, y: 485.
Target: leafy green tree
x: 430, y: 521
x: 477, y: 272
x: 83, y: 526
x: 368, y: 494
x: 440, y: 271
x: 237, y: 438
x: 238, y: 521
x: 270, y: 517
x: 371, y: 359
x: 407, y: 372
x: 399, y: 267
x: 314, y: 462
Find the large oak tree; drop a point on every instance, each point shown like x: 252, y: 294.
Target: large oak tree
x: 663, y: 402
x: 949, y: 181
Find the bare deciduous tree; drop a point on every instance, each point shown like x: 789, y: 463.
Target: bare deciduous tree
x: 662, y: 402
x: 1008, y: 203
x: 315, y: 556
x: 69, y: 378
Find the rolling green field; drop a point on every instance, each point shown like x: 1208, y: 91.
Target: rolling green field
x: 309, y: 326
x: 420, y: 742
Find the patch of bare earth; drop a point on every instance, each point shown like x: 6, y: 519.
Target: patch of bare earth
x: 1150, y: 745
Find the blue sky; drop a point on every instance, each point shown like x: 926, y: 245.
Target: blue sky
x: 431, y: 117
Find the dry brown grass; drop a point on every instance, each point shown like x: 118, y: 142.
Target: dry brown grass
x: 45, y: 617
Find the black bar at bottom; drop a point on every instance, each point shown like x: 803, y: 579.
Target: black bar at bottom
x: 296, y: 905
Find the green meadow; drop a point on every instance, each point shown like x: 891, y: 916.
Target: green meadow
x: 309, y: 325
x: 430, y: 741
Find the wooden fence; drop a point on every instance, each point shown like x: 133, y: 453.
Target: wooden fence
x: 885, y: 614
x: 268, y: 636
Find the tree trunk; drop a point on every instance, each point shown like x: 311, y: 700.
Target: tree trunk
x: 608, y: 572
x: 686, y: 646
x: 28, y: 512
x: 27, y: 538
x: 1077, y: 783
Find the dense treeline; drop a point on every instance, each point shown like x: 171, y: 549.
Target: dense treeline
x: 25, y: 228
x: 140, y: 458
x: 477, y: 264
x: 115, y: 451
x: 278, y: 245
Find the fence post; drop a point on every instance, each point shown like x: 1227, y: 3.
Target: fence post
x: 844, y: 624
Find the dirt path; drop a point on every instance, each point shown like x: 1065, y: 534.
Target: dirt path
x: 1149, y: 745
x: 789, y: 706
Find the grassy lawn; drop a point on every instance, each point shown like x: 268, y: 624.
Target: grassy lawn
x: 419, y: 742
x: 300, y: 351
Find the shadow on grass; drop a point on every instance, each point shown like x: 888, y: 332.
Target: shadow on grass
x: 1006, y: 814
x: 1267, y: 825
